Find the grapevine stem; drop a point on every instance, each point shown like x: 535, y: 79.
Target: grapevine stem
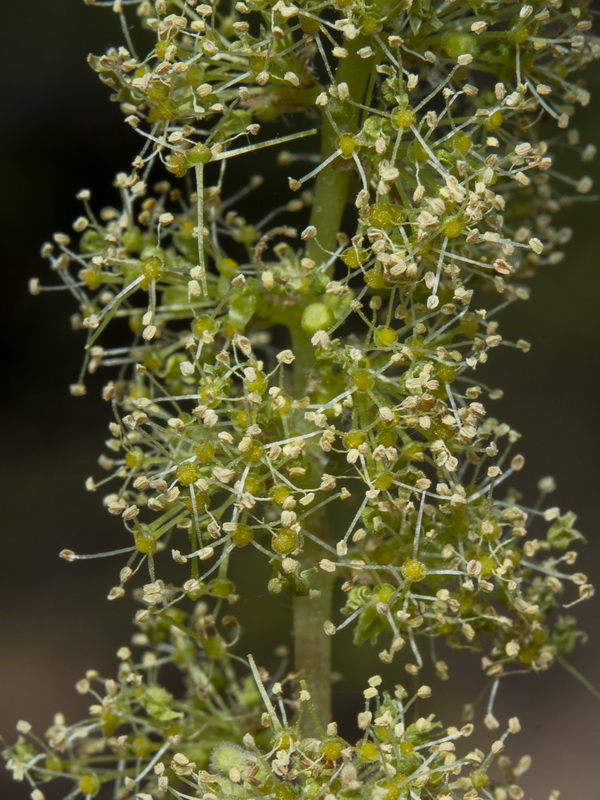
x: 333, y: 183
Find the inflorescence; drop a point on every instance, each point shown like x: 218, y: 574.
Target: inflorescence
x: 299, y: 379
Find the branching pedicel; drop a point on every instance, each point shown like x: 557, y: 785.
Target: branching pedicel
x: 303, y: 383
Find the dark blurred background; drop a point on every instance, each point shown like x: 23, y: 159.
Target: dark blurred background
x: 60, y: 134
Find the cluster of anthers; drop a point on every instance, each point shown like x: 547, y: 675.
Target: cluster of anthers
x: 242, y: 744
x: 301, y: 381
x: 222, y: 440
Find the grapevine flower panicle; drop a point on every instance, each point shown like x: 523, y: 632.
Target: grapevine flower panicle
x: 297, y: 380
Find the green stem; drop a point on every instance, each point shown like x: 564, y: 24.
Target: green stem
x: 199, y: 170
x: 581, y: 678
x: 333, y: 182
x: 312, y: 647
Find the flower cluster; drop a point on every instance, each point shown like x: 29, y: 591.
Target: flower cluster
x: 241, y: 744
x: 301, y: 380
